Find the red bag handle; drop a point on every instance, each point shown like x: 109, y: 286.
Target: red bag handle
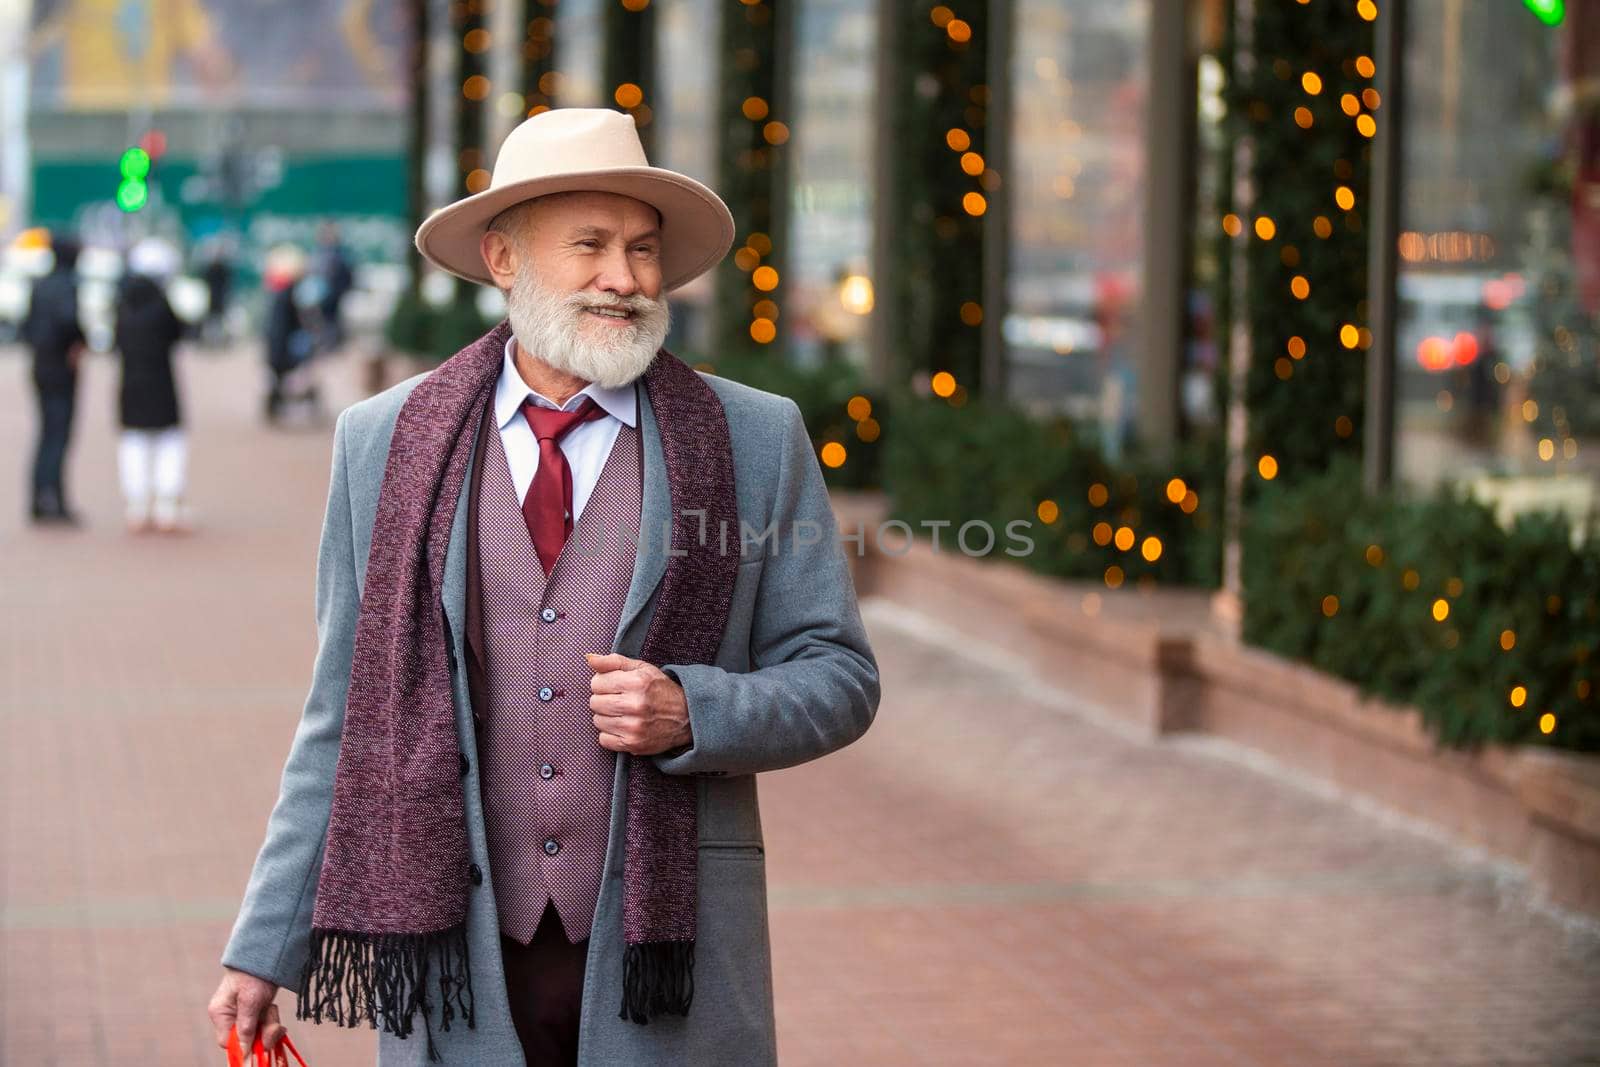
x: 259, y: 1053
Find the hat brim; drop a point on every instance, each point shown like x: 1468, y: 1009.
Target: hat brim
x: 696, y: 227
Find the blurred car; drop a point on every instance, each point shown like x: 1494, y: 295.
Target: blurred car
x: 1448, y: 321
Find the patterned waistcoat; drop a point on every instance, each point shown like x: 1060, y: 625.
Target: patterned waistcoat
x: 546, y: 782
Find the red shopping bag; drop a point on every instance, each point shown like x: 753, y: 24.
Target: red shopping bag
x: 259, y: 1056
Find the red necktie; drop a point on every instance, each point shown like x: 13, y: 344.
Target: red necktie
x: 547, y: 509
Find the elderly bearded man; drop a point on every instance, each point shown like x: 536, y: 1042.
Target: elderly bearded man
x: 518, y: 823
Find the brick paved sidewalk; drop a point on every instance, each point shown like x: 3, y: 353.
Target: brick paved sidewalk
x: 984, y: 879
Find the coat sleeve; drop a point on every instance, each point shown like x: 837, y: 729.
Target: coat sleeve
x: 814, y: 687
x: 272, y: 933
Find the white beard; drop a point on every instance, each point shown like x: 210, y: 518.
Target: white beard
x: 549, y: 325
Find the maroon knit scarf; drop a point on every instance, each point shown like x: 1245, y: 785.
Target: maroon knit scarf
x: 391, y: 907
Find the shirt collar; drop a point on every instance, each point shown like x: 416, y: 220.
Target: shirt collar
x: 512, y: 390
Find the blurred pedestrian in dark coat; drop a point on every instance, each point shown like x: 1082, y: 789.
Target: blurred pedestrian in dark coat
x: 288, y: 336
x: 152, y: 455
x: 219, y: 287
x: 338, y: 278
x: 52, y: 330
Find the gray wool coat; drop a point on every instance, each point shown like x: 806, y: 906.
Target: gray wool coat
x: 794, y: 679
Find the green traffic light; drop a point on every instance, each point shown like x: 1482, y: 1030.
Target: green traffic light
x: 1549, y: 12
x: 135, y: 164
x: 132, y: 194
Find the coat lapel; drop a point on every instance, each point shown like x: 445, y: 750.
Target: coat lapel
x: 453, y: 589
x: 650, y: 562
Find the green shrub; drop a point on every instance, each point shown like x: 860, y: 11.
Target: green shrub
x: 822, y: 393
x: 988, y: 460
x: 1388, y: 562
x: 409, y: 324
x: 434, y: 331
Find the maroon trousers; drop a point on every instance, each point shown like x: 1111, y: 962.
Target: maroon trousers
x: 544, y: 982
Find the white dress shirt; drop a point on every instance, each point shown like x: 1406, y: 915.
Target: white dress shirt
x: 586, y: 445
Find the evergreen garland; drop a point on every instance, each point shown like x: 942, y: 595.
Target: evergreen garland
x: 1431, y: 602
x: 1305, y: 388
x: 628, y: 50
x: 459, y: 322
x: 415, y: 325
x: 1217, y: 248
x: 1136, y: 522
x: 417, y: 131
x: 938, y: 114
x: 1564, y: 377
x: 752, y: 172
x: 540, y: 82
x: 472, y: 89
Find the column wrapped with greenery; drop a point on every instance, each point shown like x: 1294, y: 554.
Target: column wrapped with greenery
x: 417, y: 126
x: 628, y: 51
x: 407, y: 324
x: 753, y: 116
x: 1216, y: 258
x: 540, y: 82
x: 1303, y: 97
x: 931, y: 290
x: 472, y: 47
x: 459, y: 322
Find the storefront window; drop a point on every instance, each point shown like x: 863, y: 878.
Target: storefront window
x: 1077, y: 180
x: 686, y: 98
x: 578, y: 44
x: 1498, y: 375
x: 685, y: 137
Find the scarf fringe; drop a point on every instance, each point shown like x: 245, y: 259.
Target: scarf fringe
x: 657, y: 979
x: 353, y: 977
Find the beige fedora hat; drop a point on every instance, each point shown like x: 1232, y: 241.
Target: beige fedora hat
x: 591, y: 150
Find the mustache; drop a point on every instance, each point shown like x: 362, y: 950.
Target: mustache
x: 634, y: 303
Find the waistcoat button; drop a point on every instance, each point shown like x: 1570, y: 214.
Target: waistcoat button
x: 551, y: 847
